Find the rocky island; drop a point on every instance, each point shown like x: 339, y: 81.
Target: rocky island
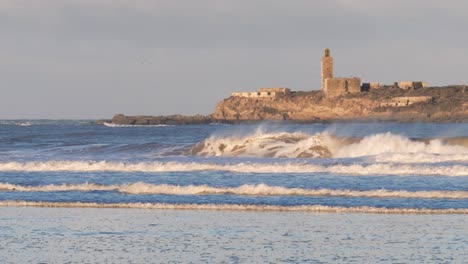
x: 340, y: 99
x: 432, y: 104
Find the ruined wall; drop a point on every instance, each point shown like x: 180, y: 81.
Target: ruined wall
x: 258, y: 94
x: 339, y: 86
x: 405, y: 101
x: 410, y: 85
x: 374, y: 85
x: 334, y: 87
x: 354, y: 85
x: 367, y: 87
x: 278, y: 90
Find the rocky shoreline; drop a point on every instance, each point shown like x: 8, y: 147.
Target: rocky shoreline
x: 441, y: 104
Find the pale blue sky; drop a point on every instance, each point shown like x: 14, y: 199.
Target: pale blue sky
x: 95, y: 58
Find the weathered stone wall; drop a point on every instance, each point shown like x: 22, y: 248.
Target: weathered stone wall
x: 353, y: 85
x: 264, y: 93
x: 277, y: 90
x: 410, y: 85
x: 374, y: 85
x: 334, y: 87
x: 366, y: 87
x: 340, y: 86
x: 405, y: 101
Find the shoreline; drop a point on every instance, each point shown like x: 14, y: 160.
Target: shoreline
x: 239, y: 207
x: 143, y: 121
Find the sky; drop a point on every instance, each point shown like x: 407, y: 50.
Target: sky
x: 90, y: 59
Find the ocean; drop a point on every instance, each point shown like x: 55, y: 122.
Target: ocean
x: 74, y: 191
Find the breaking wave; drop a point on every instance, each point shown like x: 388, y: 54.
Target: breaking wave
x: 302, y: 145
x: 291, y: 167
x: 246, y: 190
x: 238, y: 207
x: 260, y: 144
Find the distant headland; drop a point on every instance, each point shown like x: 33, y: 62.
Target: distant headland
x: 340, y: 99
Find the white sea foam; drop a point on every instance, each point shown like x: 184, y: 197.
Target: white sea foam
x: 15, y: 123
x: 239, y: 207
x: 302, y: 145
x: 245, y: 190
x: 291, y: 167
x: 120, y: 125
x: 24, y: 124
x: 389, y: 143
x: 262, y: 144
x: 420, y: 157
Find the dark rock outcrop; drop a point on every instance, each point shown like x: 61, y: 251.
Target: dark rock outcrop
x: 121, y: 119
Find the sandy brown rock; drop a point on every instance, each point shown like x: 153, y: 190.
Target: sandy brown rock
x: 444, y: 104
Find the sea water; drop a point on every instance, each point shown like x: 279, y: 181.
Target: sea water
x: 350, y: 192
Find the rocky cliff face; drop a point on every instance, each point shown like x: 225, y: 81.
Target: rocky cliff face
x: 443, y: 104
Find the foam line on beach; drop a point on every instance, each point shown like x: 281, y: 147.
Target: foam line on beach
x: 245, y: 190
x: 247, y: 167
x: 237, y: 207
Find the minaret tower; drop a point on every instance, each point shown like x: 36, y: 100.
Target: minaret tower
x: 327, y: 67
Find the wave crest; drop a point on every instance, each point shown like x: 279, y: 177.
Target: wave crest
x: 260, y: 144
x: 244, y: 190
x: 291, y: 167
x: 325, y: 145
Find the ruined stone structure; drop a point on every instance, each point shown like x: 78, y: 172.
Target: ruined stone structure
x: 333, y: 87
x: 339, y: 86
x: 374, y: 85
x: 405, y: 101
x: 367, y: 87
x: 327, y: 67
x: 411, y: 85
x: 265, y: 93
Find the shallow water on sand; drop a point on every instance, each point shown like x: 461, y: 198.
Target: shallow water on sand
x: 77, y: 235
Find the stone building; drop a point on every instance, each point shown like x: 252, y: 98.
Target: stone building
x: 327, y: 67
x: 411, y: 85
x: 339, y: 86
x: 333, y: 87
x: 405, y: 101
x: 265, y: 93
x: 367, y: 87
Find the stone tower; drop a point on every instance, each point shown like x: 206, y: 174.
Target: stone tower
x: 327, y: 67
